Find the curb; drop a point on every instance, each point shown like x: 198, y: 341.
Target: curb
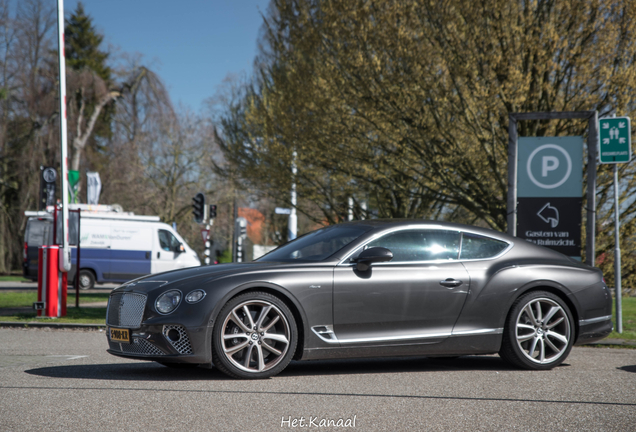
x: 32, y: 324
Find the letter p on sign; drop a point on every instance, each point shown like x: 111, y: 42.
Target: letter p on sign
x: 549, y: 163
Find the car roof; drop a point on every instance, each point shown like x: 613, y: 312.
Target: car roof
x: 395, y: 223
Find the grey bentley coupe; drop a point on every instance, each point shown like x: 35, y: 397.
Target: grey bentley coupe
x: 366, y: 289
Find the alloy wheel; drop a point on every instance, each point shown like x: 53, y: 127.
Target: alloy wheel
x: 255, y: 336
x: 543, y: 330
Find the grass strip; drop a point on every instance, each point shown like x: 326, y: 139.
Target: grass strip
x: 629, y: 319
x: 13, y: 299
x: 73, y: 315
x: 12, y: 278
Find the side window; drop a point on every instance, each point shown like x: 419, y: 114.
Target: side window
x: 167, y: 241
x: 420, y: 245
x: 478, y: 247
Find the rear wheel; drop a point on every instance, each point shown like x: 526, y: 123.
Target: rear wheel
x: 254, y: 336
x: 86, y: 279
x: 539, y: 332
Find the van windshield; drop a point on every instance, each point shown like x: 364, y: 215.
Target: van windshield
x: 316, y: 245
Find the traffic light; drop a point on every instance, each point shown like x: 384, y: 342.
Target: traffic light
x: 198, y: 207
x: 212, y: 211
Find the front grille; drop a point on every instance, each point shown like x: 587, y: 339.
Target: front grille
x: 126, y: 309
x: 182, y: 345
x: 139, y: 347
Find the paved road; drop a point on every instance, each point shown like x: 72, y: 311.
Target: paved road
x: 54, y: 379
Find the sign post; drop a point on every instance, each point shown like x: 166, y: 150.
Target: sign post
x: 592, y: 146
x: 616, y: 147
x: 240, y: 227
x: 292, y: 230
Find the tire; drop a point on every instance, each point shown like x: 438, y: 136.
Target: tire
x: 539, y: 332
x: 254, y: 337
x: 86, y: 279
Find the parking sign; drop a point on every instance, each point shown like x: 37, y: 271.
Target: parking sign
x: 549, y: 192
x: 550, y: 167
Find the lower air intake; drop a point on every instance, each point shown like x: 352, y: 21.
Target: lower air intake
x: 178, y: 338
x: 138, y: 347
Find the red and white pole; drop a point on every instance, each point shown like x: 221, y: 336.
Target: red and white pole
x: 52, y: 284
x: 65, y: 255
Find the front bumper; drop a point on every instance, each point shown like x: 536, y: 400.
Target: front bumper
x: 175, y: 338
x: 165, y: 343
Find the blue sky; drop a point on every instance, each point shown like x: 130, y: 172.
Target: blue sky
x: 192, y: 44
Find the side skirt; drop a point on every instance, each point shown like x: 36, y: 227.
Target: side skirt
x: 454, y: 345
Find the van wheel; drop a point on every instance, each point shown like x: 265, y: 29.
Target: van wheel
x: 86, y: 279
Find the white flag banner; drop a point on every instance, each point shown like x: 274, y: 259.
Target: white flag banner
x: 94, y: 187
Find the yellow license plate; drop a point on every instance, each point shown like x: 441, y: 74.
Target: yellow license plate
x: 119, y: 335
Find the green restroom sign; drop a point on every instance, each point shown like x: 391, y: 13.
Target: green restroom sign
x: 615, y: 140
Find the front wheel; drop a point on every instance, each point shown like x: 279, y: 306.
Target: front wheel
x: 539, y: 332
x: 255, y: 336
x: 86, y: 279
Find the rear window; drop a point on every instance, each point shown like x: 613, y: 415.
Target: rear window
x: 478, y: 247
x: 40, y: 231
x: 37, y: 232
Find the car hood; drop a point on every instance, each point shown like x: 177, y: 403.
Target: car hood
x: 197, y: 275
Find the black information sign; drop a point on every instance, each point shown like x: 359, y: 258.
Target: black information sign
x: 48, y: 177
x: 551, y: 222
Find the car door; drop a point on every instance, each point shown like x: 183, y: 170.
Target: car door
x: 417, y: 295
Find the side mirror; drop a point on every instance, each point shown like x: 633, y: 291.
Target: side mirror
x: 180, y: 248
x: 372, y: 255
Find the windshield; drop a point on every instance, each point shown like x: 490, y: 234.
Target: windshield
x: 316, y: 245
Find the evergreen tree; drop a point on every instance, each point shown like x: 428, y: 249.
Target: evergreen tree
x: 83, y: 55
x: 83, y: 44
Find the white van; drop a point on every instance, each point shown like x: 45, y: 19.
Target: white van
x: 114, y: 247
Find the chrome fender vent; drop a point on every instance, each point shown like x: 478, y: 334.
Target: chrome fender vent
x: 325, y: 332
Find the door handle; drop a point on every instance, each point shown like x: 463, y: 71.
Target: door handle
x: 158, y: 254
x: 451, y: 283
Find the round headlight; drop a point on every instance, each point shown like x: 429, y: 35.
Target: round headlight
x: 168, y: 301
x: 195, y: 296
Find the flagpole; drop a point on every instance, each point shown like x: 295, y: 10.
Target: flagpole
x: 65, y: 256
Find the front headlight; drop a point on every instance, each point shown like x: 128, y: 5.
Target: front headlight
x: 168, y: 301
x: 195, y: 296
